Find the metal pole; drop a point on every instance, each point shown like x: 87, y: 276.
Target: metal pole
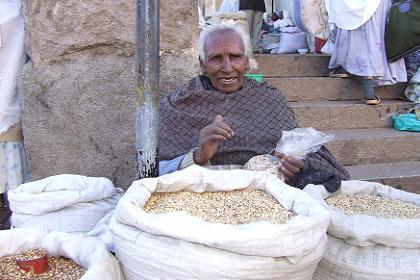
x: 147, y: 87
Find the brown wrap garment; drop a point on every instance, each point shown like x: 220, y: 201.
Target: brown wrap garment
x: 257, y: 113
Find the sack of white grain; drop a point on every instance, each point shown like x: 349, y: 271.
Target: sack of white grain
x: 87, y: 252
x: 378, y: 238
x: 68, y: 203
x: 176, y: 245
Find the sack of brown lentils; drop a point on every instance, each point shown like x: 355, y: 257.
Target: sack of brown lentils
x: 373, y: 233
x: 218, y: 224
x: 67, y: 203
x: 70, y: 256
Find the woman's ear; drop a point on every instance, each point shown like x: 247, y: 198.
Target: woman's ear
x: 202, y: 67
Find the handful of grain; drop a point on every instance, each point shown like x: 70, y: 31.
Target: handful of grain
x: 233, y: 207
x: 265, y: 163
x: 373, y: 205
x: 59, y: 268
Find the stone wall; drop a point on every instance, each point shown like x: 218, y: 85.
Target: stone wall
x: 78, y: 88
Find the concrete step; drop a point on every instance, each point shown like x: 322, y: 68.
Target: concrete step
x: 400, y: 175
x: 324, y: 88
x: 375, y: 145
x: 293, y: 65
x: 346, y: 114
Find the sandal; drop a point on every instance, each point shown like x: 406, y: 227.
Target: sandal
x: 367, y: 77
x: 375, y: 101
x: 339, y: 72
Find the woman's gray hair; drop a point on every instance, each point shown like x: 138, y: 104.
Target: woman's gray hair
x: 220, y: 28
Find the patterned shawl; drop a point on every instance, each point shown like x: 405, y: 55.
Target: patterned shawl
x: 257, y: 113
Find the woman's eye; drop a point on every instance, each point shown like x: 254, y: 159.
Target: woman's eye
x: 215, y: 58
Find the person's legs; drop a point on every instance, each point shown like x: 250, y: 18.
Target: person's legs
x: 250, y: 21
x: 361, y: 52
x: 257, y: 30
x: 369, y: 90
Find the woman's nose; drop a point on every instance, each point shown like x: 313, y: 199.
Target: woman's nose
x: 227, y: 65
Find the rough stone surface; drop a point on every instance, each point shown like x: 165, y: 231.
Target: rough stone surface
x: 405, y: 184
x: 79, y: 102
x: 379, y: 145
x: 324, y: 88
x: 79, y: 116
x: 400, y: 175
x: 57, y: 28
x: 176, y: 68
x: 346, y: 114
x: 292, y: 65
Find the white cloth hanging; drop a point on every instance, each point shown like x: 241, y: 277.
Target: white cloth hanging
x: 12, y: 58
x: 229, y: 6
x: 350, y: 14
x: 9, y: 9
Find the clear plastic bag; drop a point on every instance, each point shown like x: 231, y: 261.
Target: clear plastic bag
x: 299, y: 142
x: 296, y: 143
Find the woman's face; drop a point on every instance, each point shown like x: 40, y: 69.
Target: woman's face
x: 225, y: 62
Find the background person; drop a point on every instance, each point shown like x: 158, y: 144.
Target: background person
x: 221, y: 119
x: 254, y: 10
x: 12, y: 57
x: 359, y: 47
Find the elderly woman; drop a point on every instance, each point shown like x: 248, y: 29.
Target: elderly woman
x: 221, y: 119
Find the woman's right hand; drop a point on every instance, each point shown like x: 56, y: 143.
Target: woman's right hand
x: 210, y: 138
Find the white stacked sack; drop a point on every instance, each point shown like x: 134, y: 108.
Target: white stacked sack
x: 362, y: 247
x: 68, y: 203
x: 179, y: 246
x: 87, y: 252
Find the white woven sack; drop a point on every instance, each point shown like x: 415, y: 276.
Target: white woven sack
x: 87, y: 252
x: 291, y: 42
x: 179, y: 246
x: 68, y: 203
x: 378, y: 262
x: 363, y: 230
x: 367, y: 247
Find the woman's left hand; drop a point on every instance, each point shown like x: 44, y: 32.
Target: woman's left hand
x: 289, y: 166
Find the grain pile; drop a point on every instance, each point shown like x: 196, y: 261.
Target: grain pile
x: 233, y: 207
x: 59, y: 268
x: 373, y: 205
x: 31, y: 254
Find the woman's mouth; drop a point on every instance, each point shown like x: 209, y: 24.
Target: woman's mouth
x: 227, y: 80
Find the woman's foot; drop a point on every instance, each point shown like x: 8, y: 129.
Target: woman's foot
x: 339, y: 72
x: 375, y: 101
x: 369, y: 91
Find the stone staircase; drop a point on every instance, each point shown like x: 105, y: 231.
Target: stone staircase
x: 365, y: 141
